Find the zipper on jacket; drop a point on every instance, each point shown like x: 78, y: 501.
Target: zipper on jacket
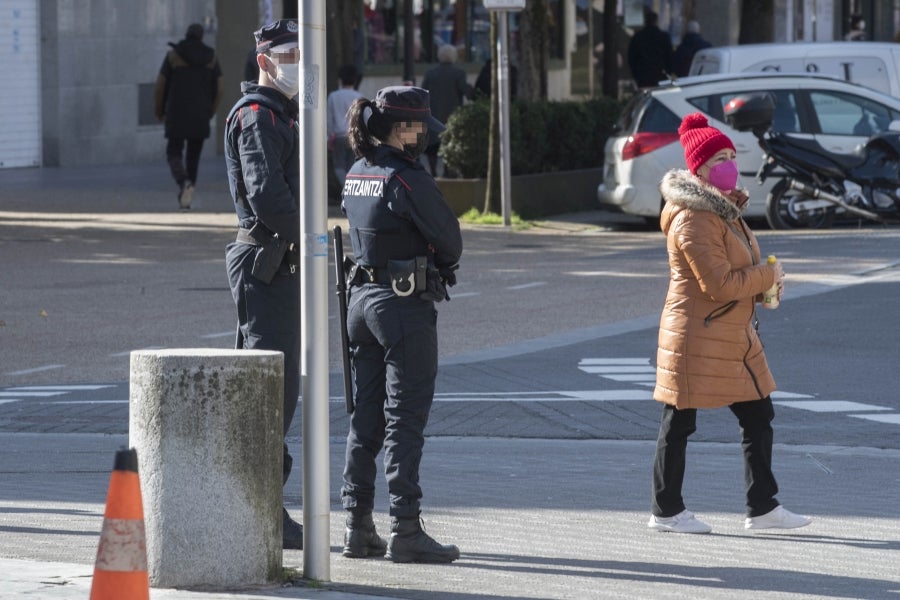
x: 719, y: 312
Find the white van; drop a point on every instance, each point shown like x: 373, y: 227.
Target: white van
x: 872, y: 64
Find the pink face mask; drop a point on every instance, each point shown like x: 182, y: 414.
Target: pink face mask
x: 724, y: 175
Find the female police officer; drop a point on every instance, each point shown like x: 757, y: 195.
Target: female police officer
x: 401, y: 228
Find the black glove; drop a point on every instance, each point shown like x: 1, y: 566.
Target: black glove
x: 448, y: 275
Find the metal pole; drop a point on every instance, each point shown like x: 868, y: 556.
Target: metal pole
x: 503, y: 84
x: 314, y: 291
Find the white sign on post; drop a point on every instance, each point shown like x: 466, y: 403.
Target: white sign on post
x: 504, y: 4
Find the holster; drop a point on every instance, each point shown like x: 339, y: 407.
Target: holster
x: 269, y: 253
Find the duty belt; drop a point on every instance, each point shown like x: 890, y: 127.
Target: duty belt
x: 360, y: 274
x: 290, y: 257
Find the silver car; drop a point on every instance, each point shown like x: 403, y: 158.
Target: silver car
x: 644, y: 144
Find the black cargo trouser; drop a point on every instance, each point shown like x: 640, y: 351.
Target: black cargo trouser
x: 755, y: 419
x: 184, y: 164
x: 268, y: 319
x: 393, y: 345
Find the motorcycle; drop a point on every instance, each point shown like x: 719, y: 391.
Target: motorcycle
x: 817, y: 185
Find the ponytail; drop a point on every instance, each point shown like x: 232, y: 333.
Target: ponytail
x: 362, y: 132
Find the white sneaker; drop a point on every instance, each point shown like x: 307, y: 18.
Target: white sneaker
x: 779, y: 518
x: 184, y: 197
x: 683, y: 522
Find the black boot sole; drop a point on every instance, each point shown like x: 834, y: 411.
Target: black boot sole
x: 365, y: 553
x: 420, y: 558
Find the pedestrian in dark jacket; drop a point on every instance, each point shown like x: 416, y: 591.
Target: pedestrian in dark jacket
x: 650, y: 53
x: 262, y: 160
x: 447, y: 88
x: 187, y: 94
x: 690, y: 44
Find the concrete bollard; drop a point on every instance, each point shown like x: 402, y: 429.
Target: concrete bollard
x: 207, y: 426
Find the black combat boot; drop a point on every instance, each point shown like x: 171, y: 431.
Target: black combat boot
x: 361, y: 539
x: 410, y: 543
x: 292, y: 532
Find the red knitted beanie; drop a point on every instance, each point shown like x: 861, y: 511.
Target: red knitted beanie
x: 700, y: 141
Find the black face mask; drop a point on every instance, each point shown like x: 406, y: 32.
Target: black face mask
x: 416, y: 150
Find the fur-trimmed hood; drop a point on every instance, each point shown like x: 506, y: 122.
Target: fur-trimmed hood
x: 686, y: 191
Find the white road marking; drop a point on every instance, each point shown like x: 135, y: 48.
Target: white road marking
x: 64, y: 388
x: 527, y: 285
x: 640, y: 372
x: 36, y: 370
x: 617, y: 369
x: 829, y: 405
x: 210, y: 336
x: 614, y: 361
x: 9, y: 394
x: 893, y: 418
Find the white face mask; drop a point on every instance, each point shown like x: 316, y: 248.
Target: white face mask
x: 287, y: 79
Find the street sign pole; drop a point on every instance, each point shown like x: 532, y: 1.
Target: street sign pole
x: 314, y: 292
x: 504, y: 7
x: 503, y: 84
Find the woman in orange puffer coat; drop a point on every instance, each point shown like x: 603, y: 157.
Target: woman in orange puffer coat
x: 709, y: 353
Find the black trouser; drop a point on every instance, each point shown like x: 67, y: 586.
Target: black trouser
x: 393, y: 345
x: 183, y: 164
x: 755, y: 419
x: 268, y: 319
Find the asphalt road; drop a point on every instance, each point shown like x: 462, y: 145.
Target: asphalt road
x: 553, y: 325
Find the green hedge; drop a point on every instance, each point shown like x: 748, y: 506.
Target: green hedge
x: 544, y: 136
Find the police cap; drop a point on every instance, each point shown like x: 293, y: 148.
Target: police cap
x: 407, y: 103
x: 279, y: 35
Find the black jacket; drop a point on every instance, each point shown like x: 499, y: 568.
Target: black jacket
x: 188, y: 89
x: 262, y: 146
x: 650, y: 56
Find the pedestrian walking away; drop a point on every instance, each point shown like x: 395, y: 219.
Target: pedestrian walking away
x: 262, y: 162
x: 406, y: 247
x: 650, y: 53
x: 710, y: 354
x: 447, y: 90
x: 338, y: 104
x: 187, y: 94
x: 691, y: 43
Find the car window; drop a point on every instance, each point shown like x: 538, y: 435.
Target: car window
x: 658, y: 119
x: 839, y: 113
x: 707, y: 105
x: 631, y: 110
x: 784, y: 119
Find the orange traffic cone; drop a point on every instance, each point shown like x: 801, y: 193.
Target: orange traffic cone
x: 120, y: 571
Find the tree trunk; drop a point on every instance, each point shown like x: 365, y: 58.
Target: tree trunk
x: 342, y: 25
x: 757, y: 21
x: 492, y: 189
x: 534, y: 51
x: 610, y: 51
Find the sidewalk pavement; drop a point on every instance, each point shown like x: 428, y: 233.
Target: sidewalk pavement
x: 534, y: 518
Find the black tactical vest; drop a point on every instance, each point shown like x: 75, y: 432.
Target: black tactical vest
x: 376, y: 203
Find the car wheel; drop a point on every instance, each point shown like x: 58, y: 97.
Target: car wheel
x: 782, y: 211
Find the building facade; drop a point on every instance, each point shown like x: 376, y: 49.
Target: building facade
x: 82, y: 71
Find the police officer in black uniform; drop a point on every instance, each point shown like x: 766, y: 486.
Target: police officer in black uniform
x: 406, y: 245
x: 261, y: 156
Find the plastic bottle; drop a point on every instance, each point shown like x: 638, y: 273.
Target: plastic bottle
x: 770, y: 296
